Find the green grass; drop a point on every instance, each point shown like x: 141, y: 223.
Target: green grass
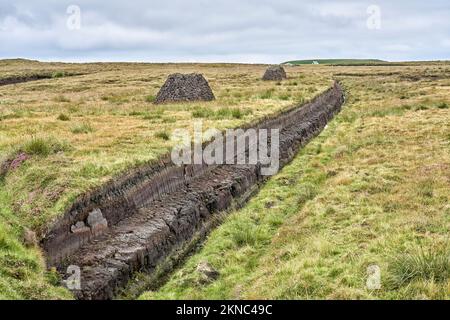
x: 117, y: 127
x: 236, y: 247
x: 267, y: 94
x: 164, y: 135
x: 58, y: 74
x: 150, y: 98
x: 222, y: 113
x: 419, y: 266
x: 114, y: 129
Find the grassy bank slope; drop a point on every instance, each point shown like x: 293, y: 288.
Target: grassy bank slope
x: 372, y: 189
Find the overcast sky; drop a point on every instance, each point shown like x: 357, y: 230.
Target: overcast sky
x: 224, y: 30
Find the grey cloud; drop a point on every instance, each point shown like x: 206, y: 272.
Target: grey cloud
x: 224, y: 30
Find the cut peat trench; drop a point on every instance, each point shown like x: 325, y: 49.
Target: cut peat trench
x: 35, y: 77
x: 141, y: 220
x: 21, y: 79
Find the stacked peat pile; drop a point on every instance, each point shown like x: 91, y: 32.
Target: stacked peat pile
x: 275, y: 73
x: 185, y: 87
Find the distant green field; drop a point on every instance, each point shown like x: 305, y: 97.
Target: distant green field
x: 337, y: 61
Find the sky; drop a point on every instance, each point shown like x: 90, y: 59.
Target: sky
x: 248, y: 31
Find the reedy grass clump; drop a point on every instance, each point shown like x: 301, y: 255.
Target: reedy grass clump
x: 164, y: 135
x: 421, y: 264
x: 44, y: 146
x: 114, y: 98
x: 63, y: 117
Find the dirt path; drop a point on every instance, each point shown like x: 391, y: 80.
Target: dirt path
x: 136, y: 222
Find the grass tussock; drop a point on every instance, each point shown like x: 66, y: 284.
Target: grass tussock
x: 164, y: 135
x: 44, y: 146
x: 22, y: 271
x: 63, y: 117
x: 363, y: 193
x: 423, y: 265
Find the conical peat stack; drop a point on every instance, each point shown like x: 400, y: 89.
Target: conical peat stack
x: 274, y: 73
x: 185, y: 87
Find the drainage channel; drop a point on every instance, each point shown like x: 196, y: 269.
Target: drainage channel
x: 139, y: 221
x: 35, y: 77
